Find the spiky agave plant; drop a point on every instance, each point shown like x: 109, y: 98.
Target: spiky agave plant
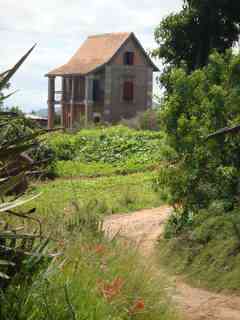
x: 15, y: 164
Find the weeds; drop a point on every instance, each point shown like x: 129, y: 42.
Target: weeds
x: 106, y: 195
x: 206, y: 248
x: 94, y: 278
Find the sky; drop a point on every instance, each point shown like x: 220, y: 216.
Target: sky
x: 59, y: 27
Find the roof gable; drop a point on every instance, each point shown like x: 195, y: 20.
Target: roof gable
x: 142, y: 51
x: 95, y: 52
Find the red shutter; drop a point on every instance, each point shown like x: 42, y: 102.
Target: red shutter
x: 131, y: 58
x: 128, y: 91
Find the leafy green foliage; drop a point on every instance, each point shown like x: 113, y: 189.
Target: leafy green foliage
x: 202, y: 170
x: 188, y: 37
x: 105, y: 151
x: 16, y: 247
x: 107, y: 145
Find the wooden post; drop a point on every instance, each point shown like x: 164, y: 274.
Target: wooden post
x: 63, y: 101
x: 88, y: 98
x: 72, y: 103
x: 86, y: 101
x: 51, y: 101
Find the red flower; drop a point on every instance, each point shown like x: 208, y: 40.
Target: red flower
x: 99, y: 249
x: 138, y: 306
x: 112, y: 289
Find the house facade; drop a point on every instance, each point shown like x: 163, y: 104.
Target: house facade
x: 109, y: 78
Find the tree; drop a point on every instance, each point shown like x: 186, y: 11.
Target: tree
x: 188, y: 37
x: 202, y: 171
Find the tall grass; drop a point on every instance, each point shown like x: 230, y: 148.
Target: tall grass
x: 207, y: 250
x: 94, y: 278
x: 107, y: 194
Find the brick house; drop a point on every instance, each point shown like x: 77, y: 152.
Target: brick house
x: 109, y: 78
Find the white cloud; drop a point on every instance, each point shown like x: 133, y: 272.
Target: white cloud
x: 59, y: 27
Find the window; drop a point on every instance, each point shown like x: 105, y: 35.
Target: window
x: 128, y: 91
x: 96, y: 90
x: 129, y: 58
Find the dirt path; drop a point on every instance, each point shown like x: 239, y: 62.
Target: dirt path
x: 144, y: 227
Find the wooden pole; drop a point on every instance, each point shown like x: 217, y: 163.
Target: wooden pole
x: 63, y: 100
x: 86, y: 100
x: 51, y: 101
x: 72, y: 104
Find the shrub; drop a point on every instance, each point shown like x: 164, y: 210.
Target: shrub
x: 148, y: 120
x: 207, y: 248
x: 198, y: 104
x: 18, y: 255
x: 106, y: 151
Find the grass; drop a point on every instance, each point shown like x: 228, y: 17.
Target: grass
x: 207, y: 253
x: 74, y: 168
x: 106, y: 195
x: 94, y: 278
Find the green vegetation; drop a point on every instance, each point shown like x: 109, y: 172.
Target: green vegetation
x: 207, y: 250
x: 147, y: 120
x: 202, y: 171
x: 87, y: 275
x: 94, y: 278
x: 105, y: 151
x: 107, y: 195
x: 21, y: 252
x: 202, y: 174
x: 90, y: 276
x: 187, y: 38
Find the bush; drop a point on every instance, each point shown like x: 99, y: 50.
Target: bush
x: 20, y: 252
x: 106, y: 151
x: 148, y: 120
x: 198, y: 104
x: 207, y: 248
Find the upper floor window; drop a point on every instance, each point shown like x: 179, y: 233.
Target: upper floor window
x: 128, y: 91
x: 129, y: 58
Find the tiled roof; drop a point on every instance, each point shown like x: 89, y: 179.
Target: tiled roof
x: 96, y: 51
